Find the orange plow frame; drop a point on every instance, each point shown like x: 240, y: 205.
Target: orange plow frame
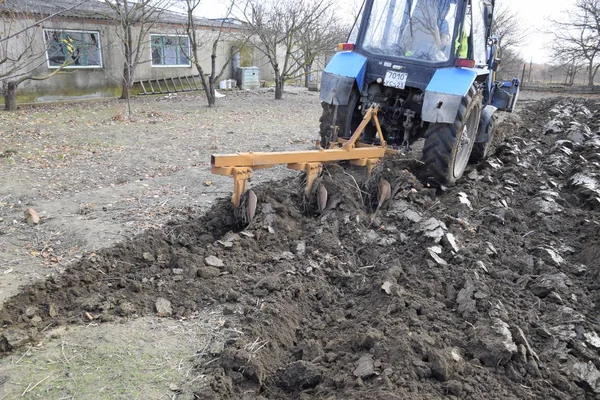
x: 241, y: 165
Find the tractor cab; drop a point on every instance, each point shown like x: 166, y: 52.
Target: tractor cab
x: 417, y: 30
x: 427, y: 31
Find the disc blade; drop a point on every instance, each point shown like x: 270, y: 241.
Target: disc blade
x: 251, y: 205
x: 321, y: 198
x: 384, y: 193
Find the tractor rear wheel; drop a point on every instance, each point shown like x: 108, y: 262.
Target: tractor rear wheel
x: 448, y: 146
x: 347, y: 118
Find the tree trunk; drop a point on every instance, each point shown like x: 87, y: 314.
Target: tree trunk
x: 126, y: 87
x: 596, y: 68
x: 568, y: 75
x: 10, y: 96
x: 306, y: 76
x: 572, y: 73
x: 210, y: 94
x: 128, y: 53
x: 125, y: 90
x: 129, y: 112
x: 279, y: 89
x: 278, y: 85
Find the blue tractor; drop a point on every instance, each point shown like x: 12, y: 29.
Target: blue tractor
x: 430, y: 67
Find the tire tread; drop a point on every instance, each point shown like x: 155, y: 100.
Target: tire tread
x: 440, y: 139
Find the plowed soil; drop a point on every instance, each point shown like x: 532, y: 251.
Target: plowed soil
x: 484, y: 290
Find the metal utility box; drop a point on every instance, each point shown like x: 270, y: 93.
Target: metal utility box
x: 248, y: 77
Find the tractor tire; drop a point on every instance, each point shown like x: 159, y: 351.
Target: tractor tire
x: 482, y: 149
x: 347, y: 118
x: 448, y: 147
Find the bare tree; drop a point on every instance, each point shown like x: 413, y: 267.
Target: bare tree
x: 577, y: 39
x: 278, y: 24
x: 511, y: 33
x: 21, y: 50
x: 318, y: 41
x: 511, y: 64
x: 135, y: 19
x: 509, y: 28
x: 569, y: 69
x: 198, y: 41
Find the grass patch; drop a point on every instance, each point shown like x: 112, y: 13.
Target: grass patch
x: 145, y: 358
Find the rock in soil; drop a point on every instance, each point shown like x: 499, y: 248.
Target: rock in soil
x: 365, y: 367
x: 445, y: 363
x: 543, y: 285
x: 214, y: 261
x: 587, y: 374
x: 163, y: 307
x: 493, y: 344
x: 208, y: 272
x: 31, y: 216
x: 13, y: 339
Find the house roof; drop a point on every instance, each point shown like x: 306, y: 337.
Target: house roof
x: 94, y: 9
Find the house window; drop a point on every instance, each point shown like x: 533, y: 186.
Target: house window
x: 73, y: 49
x: 170, y: 51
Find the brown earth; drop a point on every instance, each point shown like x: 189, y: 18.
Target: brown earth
x: 483, y: 290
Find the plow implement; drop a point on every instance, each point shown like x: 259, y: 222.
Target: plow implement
x: 241, y: 165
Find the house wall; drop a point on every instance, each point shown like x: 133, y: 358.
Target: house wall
x: 105, y: 81
x: 204, y: 36
x: 75, y: 83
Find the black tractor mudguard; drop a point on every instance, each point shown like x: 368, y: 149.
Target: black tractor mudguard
x: 345, y: 71
x: 336, y: 89
x: 483, y: 134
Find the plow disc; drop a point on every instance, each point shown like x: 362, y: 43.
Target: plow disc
x: 241, y: 165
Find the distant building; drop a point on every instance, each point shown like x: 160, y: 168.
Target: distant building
x: 87, y: 37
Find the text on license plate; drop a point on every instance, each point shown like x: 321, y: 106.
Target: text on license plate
x: 395, y: 79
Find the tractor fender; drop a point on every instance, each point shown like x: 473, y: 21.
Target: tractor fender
x: 444, y: 94
x: 483, y: 134
x: 345, y: 70
x: 505, y: 94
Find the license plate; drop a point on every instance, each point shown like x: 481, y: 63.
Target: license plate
x: 395, y: 79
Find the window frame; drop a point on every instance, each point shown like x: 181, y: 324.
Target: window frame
x: 72, y: 66
x: 177, y: 56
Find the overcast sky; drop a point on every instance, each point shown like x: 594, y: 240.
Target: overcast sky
x: 533, y: 13
x: 536, y: 13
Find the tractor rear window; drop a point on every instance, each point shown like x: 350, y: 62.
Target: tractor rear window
x: 414, y: 29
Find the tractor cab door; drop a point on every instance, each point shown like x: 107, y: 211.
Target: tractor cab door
x: 480, y: 31
x: 471, y: 42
